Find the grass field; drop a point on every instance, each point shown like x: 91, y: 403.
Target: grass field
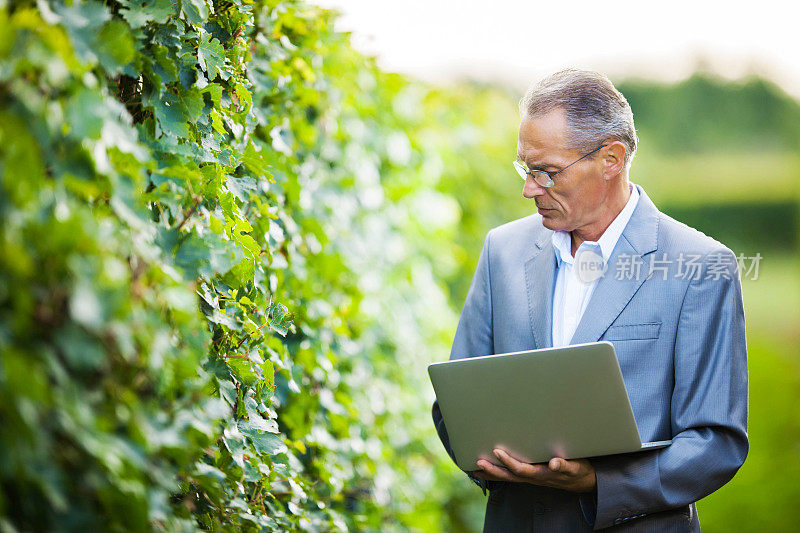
x: 719, y: 177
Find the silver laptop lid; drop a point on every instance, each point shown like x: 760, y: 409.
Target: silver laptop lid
x: 566, y: 402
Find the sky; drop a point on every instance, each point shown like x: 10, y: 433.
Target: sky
x: 518, y: 42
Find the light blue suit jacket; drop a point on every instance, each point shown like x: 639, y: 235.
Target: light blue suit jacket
x: 679, y: 336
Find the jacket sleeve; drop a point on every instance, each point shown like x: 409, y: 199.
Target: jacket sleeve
x: 473, y: 337
x: 709, y: 409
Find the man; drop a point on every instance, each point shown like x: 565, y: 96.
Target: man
x: 669, y: 300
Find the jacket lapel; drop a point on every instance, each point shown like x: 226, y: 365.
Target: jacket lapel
x: 622, y: 278
x: 540, y: 272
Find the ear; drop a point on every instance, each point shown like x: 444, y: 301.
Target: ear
x: 613, y: 159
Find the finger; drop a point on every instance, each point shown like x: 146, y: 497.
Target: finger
x: 483, y: 464
x: 563, y: 466
x: 510, y: 463
x: 487, y: 466
x: 502, y: 474
x: 503, y: 457
x: 518, y: 468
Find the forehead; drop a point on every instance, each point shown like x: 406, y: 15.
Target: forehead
x: 543, y: 136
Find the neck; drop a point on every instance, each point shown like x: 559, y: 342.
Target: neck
x: 609, y: 210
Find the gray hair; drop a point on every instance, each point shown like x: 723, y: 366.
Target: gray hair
x: 595, y: 109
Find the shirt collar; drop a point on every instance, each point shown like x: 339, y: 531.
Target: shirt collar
x: 562, y: 240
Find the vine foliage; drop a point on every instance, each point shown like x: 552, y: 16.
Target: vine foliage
x: 189, y: 189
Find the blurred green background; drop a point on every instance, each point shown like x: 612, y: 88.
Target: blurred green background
x: 718, y: 155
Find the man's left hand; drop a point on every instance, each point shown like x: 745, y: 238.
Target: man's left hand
x: 576, y: 475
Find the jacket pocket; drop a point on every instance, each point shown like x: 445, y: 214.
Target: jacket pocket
x: 628, y: 332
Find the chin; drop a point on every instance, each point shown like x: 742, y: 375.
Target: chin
x: 551, y: 224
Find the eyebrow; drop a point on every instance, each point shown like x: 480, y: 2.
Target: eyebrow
x: 542, y: 166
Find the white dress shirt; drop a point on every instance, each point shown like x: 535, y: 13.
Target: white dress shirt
x: 574, y: 287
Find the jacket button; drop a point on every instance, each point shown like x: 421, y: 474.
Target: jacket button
x: 539, y: 508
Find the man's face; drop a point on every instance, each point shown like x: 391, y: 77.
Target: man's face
x: 575, y: 200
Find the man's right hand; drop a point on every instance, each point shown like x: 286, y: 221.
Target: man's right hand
x: 576, y: 475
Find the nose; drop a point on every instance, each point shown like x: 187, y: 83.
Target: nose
x: 531, y: 189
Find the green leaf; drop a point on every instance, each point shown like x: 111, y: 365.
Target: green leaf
x: 84, y: 114
x: 171, y: 119
x: 220, y: 370
x: 211, y: 56
x: 215, y: 91
x: 190, y: 102
x: 243, y: 370
x: 240, y: 236
x: 210, y: 472
x: 280, y: 319
x: 235, y: 443
x: 227, y: 390
x: 140, y: 12
x: 163, y: 65
x: 216, y: 122
x: 83, y: 20
x: 241, y: 187
x: 268, y: 368
x: 195, y: 11
x: 254, y: 161
x: 219, y: 316
x: 263, y: 441
x: 175, y: 112
x: 245, y: 97
x: 115, y: 47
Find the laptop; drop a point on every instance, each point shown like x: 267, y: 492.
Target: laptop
x: 565, y: 402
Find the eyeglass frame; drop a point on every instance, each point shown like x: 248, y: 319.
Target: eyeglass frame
x: 522, y: 167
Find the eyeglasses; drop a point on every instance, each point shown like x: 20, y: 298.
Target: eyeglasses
x: 543, y: 177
